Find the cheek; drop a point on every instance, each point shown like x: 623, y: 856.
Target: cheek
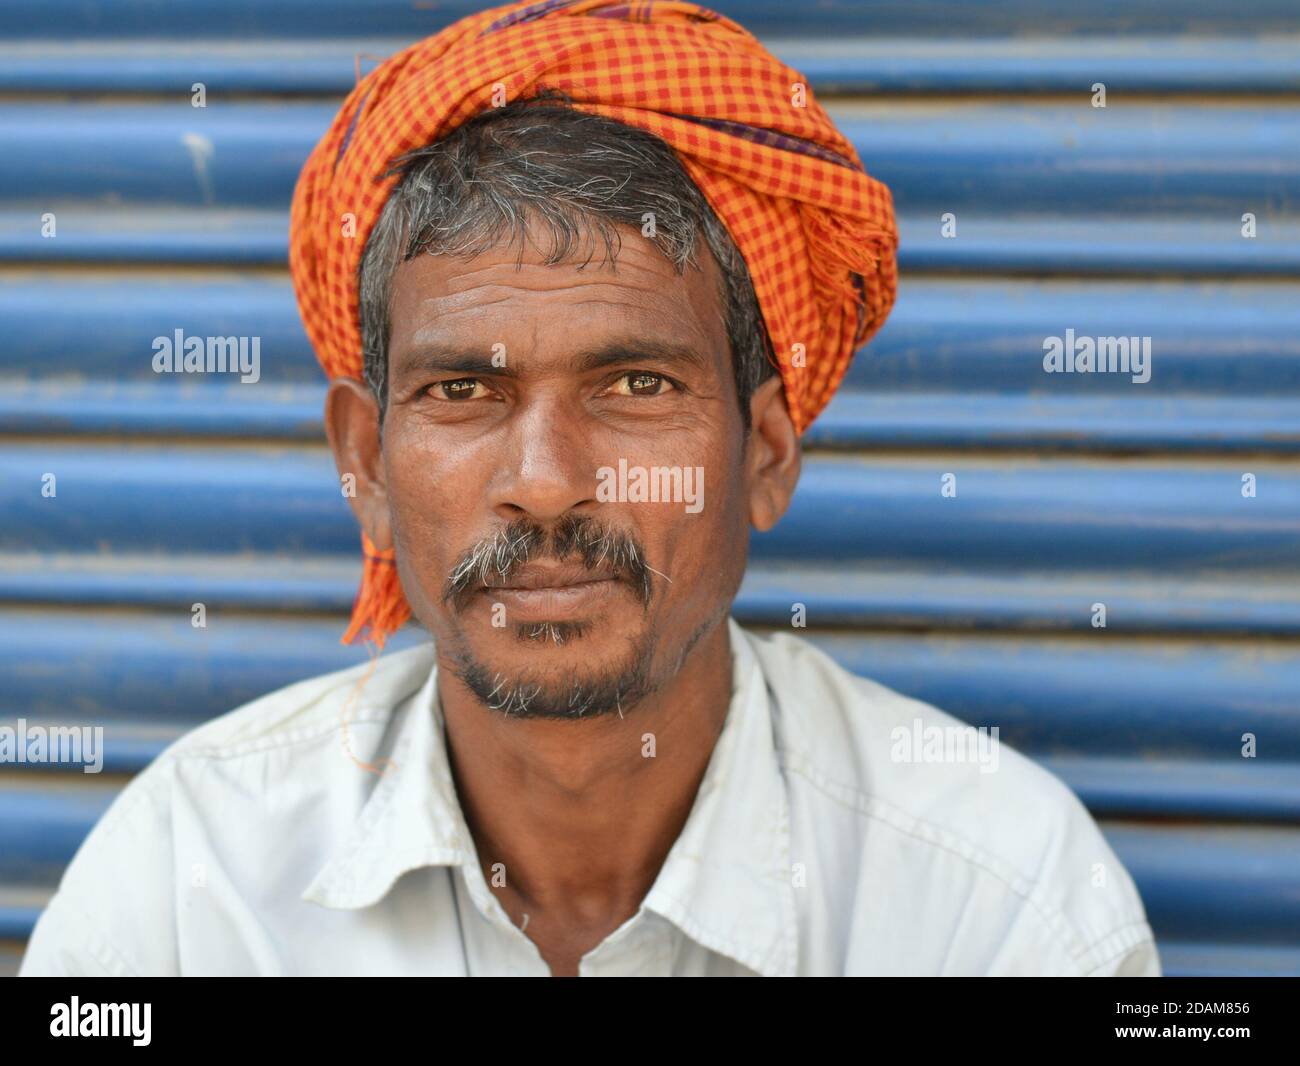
x: 429, y: 497
x: 706, y: 550
x: 706, y: 525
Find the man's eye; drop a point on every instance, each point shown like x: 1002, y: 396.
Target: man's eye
x: 460, y: 389
x: 641, y: 383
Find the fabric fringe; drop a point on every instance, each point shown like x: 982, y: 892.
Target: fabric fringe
x: 380, y: 607
x: 841, y: 251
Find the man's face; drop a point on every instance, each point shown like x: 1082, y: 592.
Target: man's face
x: 532, y: 415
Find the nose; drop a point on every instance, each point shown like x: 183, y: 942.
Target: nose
x: 547, y: 468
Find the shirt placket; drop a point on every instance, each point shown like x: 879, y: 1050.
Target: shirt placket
x: 494, y: 945
x: 642, y: 947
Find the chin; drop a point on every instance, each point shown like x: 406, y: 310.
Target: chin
x: 562, y: 669
x: 546, y: 635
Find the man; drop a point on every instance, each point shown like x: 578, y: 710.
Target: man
x: 581, y: 274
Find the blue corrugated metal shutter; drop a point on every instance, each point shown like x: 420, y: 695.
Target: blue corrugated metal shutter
x: 1073, y: 490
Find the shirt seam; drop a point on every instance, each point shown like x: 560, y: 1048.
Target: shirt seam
x: 97, y: 945
x: 1126, y: 938
x: 154, y: 788
x: 699, y: 932
x: 1078, y: 948
x: 257, y: 747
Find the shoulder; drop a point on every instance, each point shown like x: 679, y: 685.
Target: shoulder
x: 302, y: 711
x: 266, y: 781
x: 927, y: 794
x: 296, y: 729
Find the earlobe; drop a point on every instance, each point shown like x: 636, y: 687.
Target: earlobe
x: 774, y: 456
x: 352, y: 426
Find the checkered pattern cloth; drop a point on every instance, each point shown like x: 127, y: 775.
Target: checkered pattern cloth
x: 816, y: 231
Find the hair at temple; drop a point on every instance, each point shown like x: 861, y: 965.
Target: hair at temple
x: 540, y: 163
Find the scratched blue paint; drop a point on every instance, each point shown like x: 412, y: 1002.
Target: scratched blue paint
x: 1006, y: 513
x: 854, y: 65
x: 830, y: 18
x: 1017, y: 158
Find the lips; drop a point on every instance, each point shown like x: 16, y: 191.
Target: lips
x: 534, y: 577
x: 536, y: 593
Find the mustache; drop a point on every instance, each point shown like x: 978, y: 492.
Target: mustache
x: 602, y: 549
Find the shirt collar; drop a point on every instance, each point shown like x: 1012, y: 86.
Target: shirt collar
x: 726, y: 883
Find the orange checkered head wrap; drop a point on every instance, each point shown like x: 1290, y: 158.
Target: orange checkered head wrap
x: 816, y: 231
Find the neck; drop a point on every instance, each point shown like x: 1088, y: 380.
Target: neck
x: 579, y: 814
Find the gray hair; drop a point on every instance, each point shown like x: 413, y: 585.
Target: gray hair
x: 541, y: 161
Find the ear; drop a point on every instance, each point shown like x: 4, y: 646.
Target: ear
x: 352, y: 425
x: 773, y: 455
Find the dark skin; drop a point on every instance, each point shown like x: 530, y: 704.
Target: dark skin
x: 579, y: 816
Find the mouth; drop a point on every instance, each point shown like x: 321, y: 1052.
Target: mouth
x: 551, y: 594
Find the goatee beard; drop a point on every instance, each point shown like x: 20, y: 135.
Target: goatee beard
x: 615, y: 691
x: 601, y: 549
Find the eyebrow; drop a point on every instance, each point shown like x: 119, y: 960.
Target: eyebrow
x: 627, y: 351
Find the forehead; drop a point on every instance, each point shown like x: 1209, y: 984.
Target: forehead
x: 540, y: 310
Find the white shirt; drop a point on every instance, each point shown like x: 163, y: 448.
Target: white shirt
x: 257, y: 844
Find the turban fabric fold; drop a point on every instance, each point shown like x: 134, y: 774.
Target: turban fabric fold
x: 816, y: 231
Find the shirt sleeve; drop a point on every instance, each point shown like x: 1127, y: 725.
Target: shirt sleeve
x: 67, y: 944
x: 1140, y: 960
x: 114, y: 912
